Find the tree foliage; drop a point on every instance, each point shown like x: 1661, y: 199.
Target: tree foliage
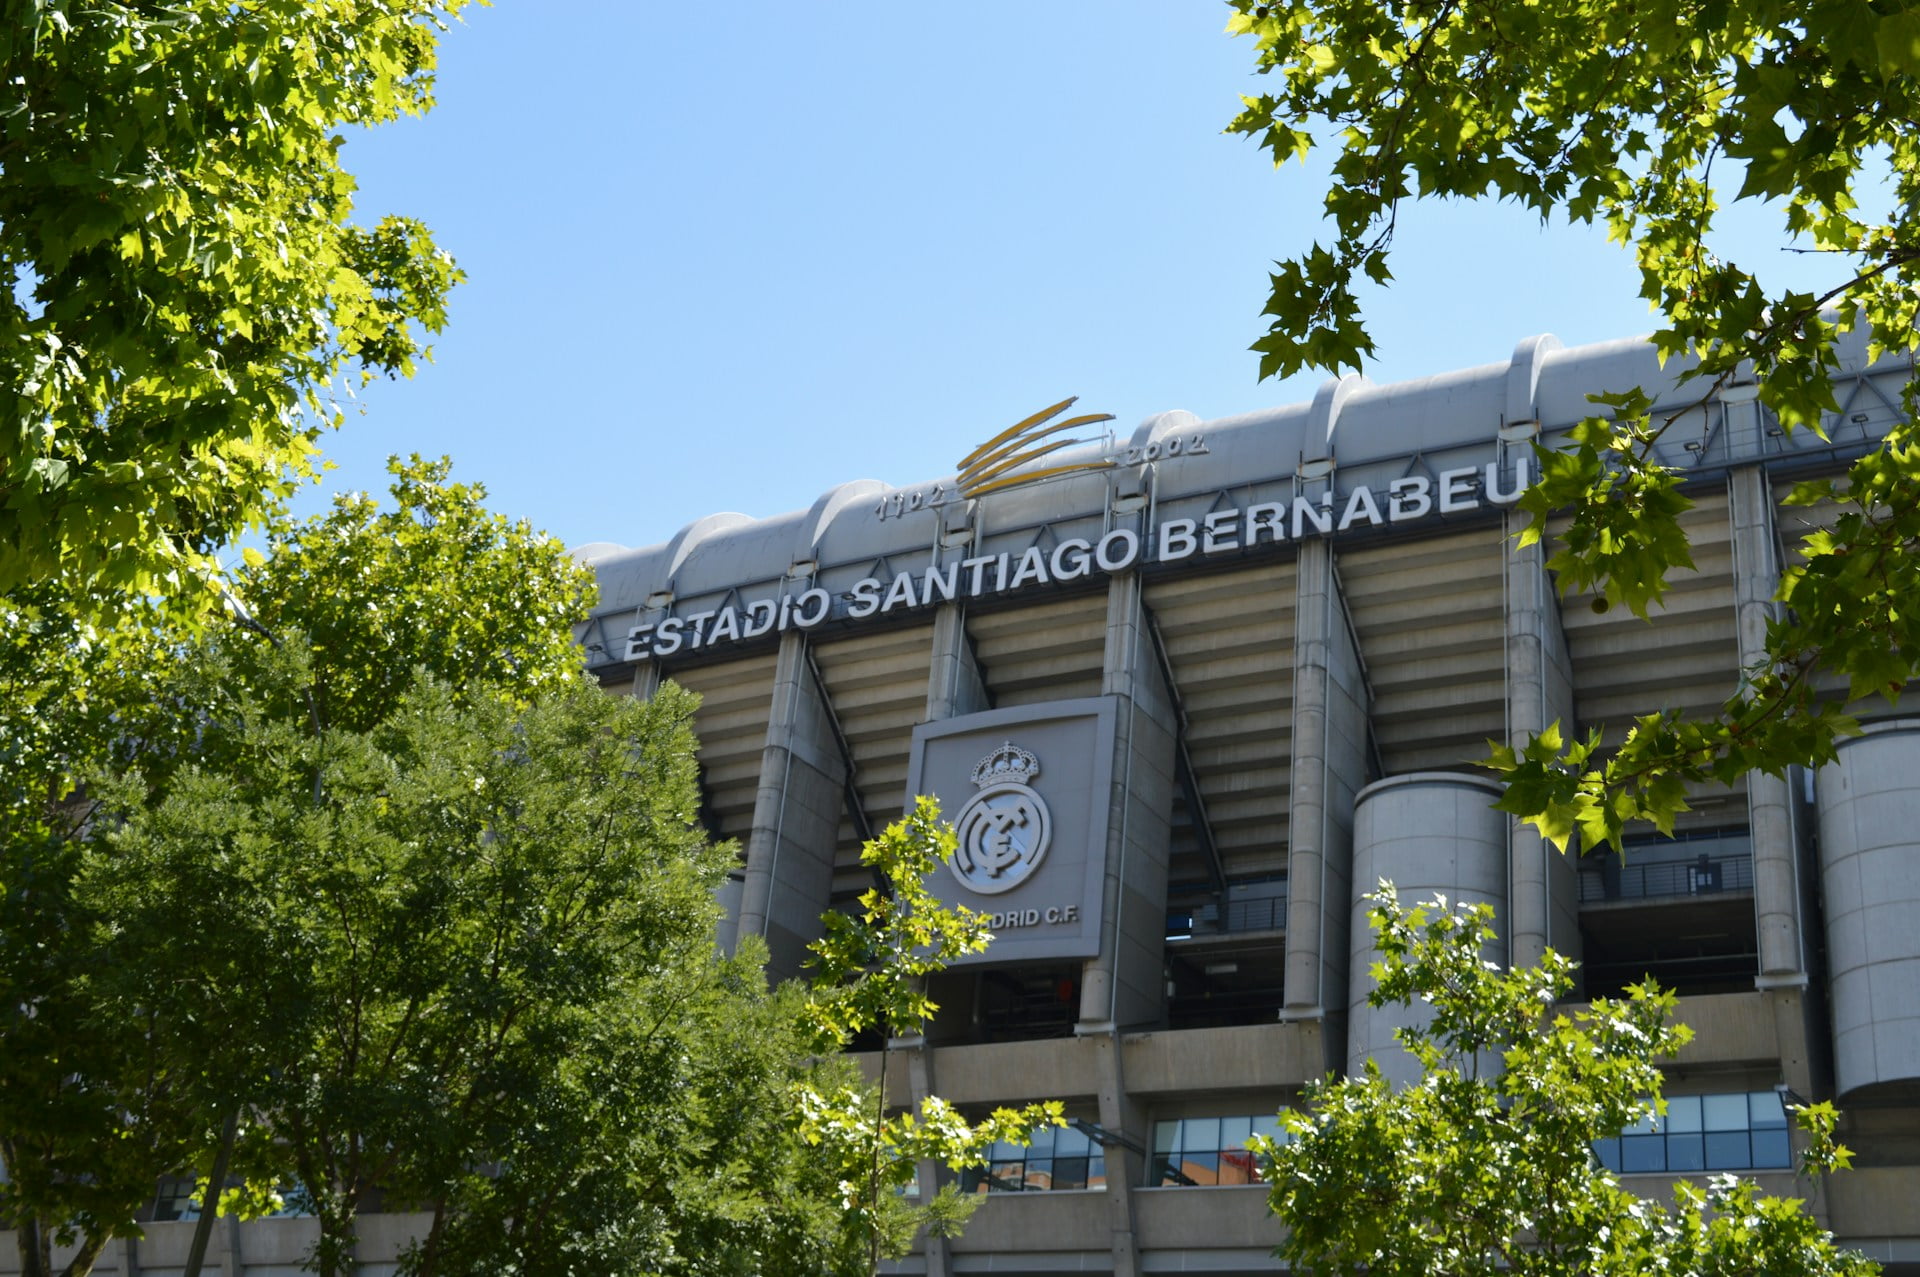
x: 184, y: 291
x: 1641, y: 117
x: 469, y: 968
x: 1486, y: 1164
x: 871, y: 972
x: 95, y: 689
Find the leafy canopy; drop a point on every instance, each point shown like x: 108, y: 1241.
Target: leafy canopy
x: 98, y: 690
x: 1476, y: 1169
x: 870, y: 975
x: 184, y: 293
x: 1640, y: 116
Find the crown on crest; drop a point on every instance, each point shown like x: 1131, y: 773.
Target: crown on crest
x: 1007, y: 765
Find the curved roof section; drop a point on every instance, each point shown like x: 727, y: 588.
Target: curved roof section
x: 1350, y: 420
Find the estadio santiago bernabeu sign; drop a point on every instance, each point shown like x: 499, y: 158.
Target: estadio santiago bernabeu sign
x: 1027, y: 790
x: 1402, y: 501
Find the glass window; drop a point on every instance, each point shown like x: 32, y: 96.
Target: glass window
x: 1683, y: 1114
x: 1725, y: 1112
x: 1203, y: 1151
x: 1058, y: 1158
x: 1742, y: 1131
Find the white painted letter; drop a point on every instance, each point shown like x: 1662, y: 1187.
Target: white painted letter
x: 1407, y: 498
x: 1456, y: 490
x: 1221, y: 533
x: 1177, y: 540
x: 1081, y: 563
x: 1360, y: 505
x: 864, y: 599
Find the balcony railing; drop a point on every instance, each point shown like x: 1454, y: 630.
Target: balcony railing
x: 1608, y: 879
x: 1268, y: 913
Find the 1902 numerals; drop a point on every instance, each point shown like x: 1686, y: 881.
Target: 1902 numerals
x: 897, y: 505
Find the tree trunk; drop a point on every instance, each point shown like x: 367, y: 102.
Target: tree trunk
x: 82, y: 1262
x: 36, y: 1249
x: 210, y: 1199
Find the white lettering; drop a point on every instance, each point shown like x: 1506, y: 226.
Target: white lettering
x: 1221, y: 533
x: 1000, y: 574
x: 1315, y: 510
x: 1081, y: 563
x: 822, y: 603
x: 864, y: 598
x: 1033, y: 567
x: 666, y: 639
x: 1110, y: 562
x: 1457, y: 490
x: 755, y: 626
x: 638, y: 646
x: 1407, y: 498
x: 1520, y: 476
x: 975, y: 565
x: 900, y: 593
x: 1360, y: 505
x: 725, y: 626
x: 1177, y: 540
x: 695, y: 623
x: 1271, y: 515
x: 946, y: 583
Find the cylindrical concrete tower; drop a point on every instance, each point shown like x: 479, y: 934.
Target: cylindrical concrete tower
x: 1870, y: 867
x: 1430, y: 833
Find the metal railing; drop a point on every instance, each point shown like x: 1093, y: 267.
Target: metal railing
x: 1608, y: 879
x: 1268, y: 913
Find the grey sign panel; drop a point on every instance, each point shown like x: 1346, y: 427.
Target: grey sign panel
x: 1028, y: 790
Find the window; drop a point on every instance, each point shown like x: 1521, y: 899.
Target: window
x: 1743, y: 1131
x: 1204, y: 1151
x: 1059, y: 1158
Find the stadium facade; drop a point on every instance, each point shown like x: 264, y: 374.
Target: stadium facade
x: 1185, y: 707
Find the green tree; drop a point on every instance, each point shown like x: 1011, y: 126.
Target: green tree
x: 1636, y: 115
x: 86, y: 1114
x: 871, y: 975
x: 184, y: 292
x: 93, y: 686
x: 470, y: 968
x: 1486, y: 1164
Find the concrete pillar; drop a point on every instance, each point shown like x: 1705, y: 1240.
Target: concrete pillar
x: 1126, y: 1169
x: 1543, y: 885
x: 1329, y: 767
x: 646, y: 680
x: 918, y: 1059
x: 954, y: 685
x: 1123, y: 986
x: 796, y: 816
x: 1429, y: 833
x: 1776, y: 855
x: 954, y: 689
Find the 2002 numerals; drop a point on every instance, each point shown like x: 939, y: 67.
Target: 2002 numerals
x: 897, y: 504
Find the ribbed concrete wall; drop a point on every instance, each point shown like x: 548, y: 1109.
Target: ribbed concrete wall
x: 1428, y: 833
x: 1870, y: 863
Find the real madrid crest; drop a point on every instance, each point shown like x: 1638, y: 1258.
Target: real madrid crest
x: 1004, y: 829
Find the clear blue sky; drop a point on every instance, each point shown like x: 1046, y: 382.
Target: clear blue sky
x: 726, y: 257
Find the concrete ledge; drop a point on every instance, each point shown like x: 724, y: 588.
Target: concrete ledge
x: 1245, y: 1057
x: 1194, y: 1221
x: 1036, y: 1225
x: 1728, y: 1029
x: 1007, y: 1072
